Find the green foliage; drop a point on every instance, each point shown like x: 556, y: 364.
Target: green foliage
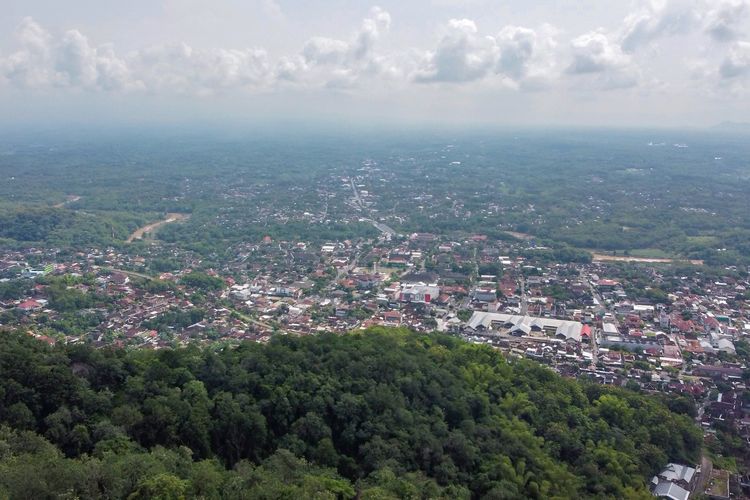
x: 387, y: 413
x: 62, y: 227
x: 594, y: 190
x: 14, y: 290
x: 557, y: 292
x: 560, y: 254
x: 175, y: 319
x: 202, y: 281
x: 464, y: 314
x: 66, y: 299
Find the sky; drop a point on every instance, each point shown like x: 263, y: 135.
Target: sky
x: 656, y: 63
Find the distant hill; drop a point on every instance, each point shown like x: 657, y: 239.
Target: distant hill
x: 743, y: 127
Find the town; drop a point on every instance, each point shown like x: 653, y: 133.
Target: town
x: 368, y: 245
x: 651, y: 327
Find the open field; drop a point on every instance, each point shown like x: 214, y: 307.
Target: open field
x: 646, y: 255
x: 598, y: 257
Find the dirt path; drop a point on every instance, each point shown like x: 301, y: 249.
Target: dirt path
x: 141, y: 231
x: 705, y: 475
x: 520, y: 236
x: 70, y: 199
x: 598, y: 257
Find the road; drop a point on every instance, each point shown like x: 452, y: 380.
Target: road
x: 360, y: 203
x: 705, y: 475
x: 594, y: 346
x: 524, y: 300
x: 387, y: 230
x: 342, y: 271
x: 595, y: 331
x: 129, y: 273
x: 248, y: 319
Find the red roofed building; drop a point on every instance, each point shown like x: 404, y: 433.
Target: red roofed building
x: 711, y: 323
x: 607, y: 285
x: 29, y: 305
x: 392, y: 318
x: 586, y: 332
x: 684, y: 326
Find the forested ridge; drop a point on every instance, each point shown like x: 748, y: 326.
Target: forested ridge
x: 380, y: 414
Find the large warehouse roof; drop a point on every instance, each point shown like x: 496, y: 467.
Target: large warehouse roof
x: 563, y: 328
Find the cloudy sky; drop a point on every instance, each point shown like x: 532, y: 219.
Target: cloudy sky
x: 507, y: 62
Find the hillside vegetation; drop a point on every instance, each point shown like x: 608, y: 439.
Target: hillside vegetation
x: 381, y: 414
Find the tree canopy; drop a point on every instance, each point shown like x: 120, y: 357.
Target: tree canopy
x: 382, y: 414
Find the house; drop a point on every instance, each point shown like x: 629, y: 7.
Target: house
x: 665, y: 489
x: 681, y: 475
x: 674, y: 482
x: 718, y: 371
x: 610, y: 329
x: 29, y: 306
x: 392, y: 318
x: 726, y: 345
x: 586, y: 333
x: 484, y: 294
x: 605, y: 285
x: 418, y: 293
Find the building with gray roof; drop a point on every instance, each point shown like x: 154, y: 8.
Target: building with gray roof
x: 519, y: 325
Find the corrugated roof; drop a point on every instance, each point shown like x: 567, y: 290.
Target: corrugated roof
x: 563, y: 328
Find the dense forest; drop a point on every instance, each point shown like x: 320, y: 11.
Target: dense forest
x: 380, y: 414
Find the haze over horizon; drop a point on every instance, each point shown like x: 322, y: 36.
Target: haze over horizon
x: 639, y: 63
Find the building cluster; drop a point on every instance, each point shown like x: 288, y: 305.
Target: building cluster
x: 663, y: 327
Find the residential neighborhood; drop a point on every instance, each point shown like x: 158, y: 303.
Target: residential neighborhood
x: 640, y: 326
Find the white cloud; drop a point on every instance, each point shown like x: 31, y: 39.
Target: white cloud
x: 462, y: 55
x: 332, y: 63
x: 517, y: 45
x: 513, y: 57
x: 377, y: 23
x: 737, y: 62
x: 518, y: 56
x: 71, y: 61
x: 528, y: 58
x: 66, y: 61
x: 322, y: 50
x: 596, y: 56
x: 724, y: 23
x: 29, y: 66
x: 658, y: 18
x: 183, y: 69
x: 594, y: 52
